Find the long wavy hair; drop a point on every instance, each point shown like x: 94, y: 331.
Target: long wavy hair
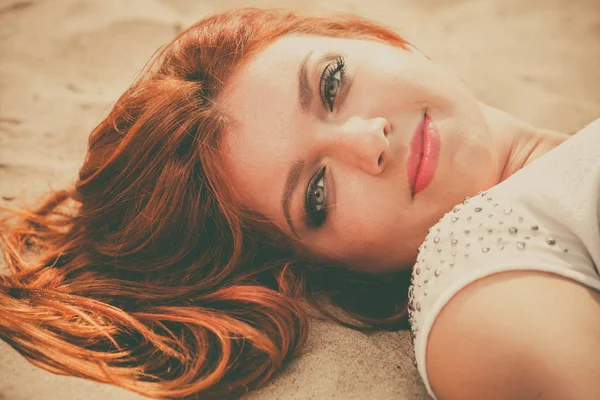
x: 144, y: 273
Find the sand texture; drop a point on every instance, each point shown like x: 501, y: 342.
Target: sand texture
x: 63, y: 63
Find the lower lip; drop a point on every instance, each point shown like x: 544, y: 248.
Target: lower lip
x: 431, y: 150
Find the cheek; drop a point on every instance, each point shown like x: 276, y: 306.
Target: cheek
x: 376, y: 236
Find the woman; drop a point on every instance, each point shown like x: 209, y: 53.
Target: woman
x: 183, y: 260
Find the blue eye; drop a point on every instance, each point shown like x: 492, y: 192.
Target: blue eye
x: 331, y: 81
x: 314, y: 203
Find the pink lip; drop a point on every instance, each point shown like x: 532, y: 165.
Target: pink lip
x: 423, y: 159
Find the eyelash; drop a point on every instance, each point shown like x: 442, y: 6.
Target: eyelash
x: 316, y: 210
x: 328, y: 78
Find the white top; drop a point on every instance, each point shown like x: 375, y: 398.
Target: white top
x: 544, y: 217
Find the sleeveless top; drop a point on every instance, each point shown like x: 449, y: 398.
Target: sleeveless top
x: 545, y: 217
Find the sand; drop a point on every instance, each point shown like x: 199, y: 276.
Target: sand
x: 63, y: 62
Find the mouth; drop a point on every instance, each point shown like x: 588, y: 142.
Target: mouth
x: 423, y: 159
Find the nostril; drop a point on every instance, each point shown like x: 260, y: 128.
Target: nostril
x: 380, y: 160
x: 386, y: 130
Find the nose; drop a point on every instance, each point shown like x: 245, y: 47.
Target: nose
x: 362, y: 142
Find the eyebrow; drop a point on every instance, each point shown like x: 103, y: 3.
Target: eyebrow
x: 291, y: 181
x: 304, y: 92
x: 295, y: 170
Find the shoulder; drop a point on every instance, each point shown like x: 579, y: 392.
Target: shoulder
x: 518, y: 335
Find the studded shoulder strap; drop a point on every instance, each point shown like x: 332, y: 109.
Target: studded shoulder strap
x: 486, y: 234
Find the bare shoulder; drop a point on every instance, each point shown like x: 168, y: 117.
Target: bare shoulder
x: 517, y: 335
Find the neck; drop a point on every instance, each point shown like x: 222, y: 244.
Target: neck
x: 517, y: 142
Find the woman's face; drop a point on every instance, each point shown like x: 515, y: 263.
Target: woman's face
x: 321, y: 145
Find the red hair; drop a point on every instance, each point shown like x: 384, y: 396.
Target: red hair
x: 145, y: 274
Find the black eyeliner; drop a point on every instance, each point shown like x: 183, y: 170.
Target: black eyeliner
x: 310, y: 190
x: 335, y: 65
x: 332, y: 68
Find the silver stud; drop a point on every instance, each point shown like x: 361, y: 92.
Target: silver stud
x: 451, y: 233
x: 495, y: 204
x: 425, y: 293
x: 428, y: 267
x: 426, y: 281
x: 489, y: 198
x: 565, y: 250
x: 485, y: 249
x: 551, y: 241
x: 480, y: 223
x: 438, y: 272
x: 467, y: 231
x: 454, y: 241
x: 526, y: 237
x: 419, y: 284
x: 499, y: 239
x: 451, y: 264
x: 478, y: 209
x: 490, y: 230
x: 442, y: 261
x: 438, y: 229
x: 456, y: 208
x: 466, y: 254
x: 480, y: 237
x: 507, y: 210
x: 467, y: 244
x: 500, y: 222
x: 454, y: 219
x: 436, y: 239
x: 534, y: 227
x: 469, y: 217
x: 439, y: 250
x: 418, y: 271
x: 418, y: 306
x: 454, y: 253
x: 520, y: 245
x: 483, y: 194
x: 490, y: 215
x: 512, y: 230
x: 521, y: 219
x: 501, y: 247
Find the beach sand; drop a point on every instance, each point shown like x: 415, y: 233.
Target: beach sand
x: 63, y: 63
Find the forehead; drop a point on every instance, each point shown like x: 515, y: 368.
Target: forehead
x: 289, y: 49
x: 263, y: 141
x: 262, y: 92
x: 275, y: 68
x: 272, y: 74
